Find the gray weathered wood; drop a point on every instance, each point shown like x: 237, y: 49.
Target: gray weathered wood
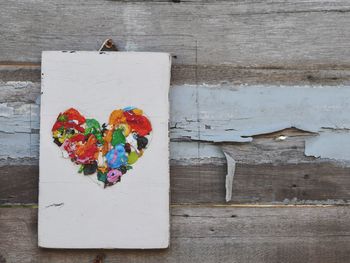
x: 205, y: 234
x: 221, y: 43
x: 217, y: 74
x: 320, y: 183
x: 279, y: 34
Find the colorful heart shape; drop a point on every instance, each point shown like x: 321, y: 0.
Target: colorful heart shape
x: 110, y: 149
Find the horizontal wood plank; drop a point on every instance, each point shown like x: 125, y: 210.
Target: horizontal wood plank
x: 218, y: 74
x: 205, y: 234
x: 308, y: 183
x: 229, y: 115
x: 279, y: 34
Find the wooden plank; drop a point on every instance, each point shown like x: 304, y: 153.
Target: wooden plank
x: 230, y: 115
x: 226, y: 75
x: 19, y: 184
x: 205, y: 234
x: 264, y: 183
x: 279, y: 34
x: 236, y: 113
x: 218, y: 74
x: 310, y: 183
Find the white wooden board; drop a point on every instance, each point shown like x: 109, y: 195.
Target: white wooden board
x: 75, y: 210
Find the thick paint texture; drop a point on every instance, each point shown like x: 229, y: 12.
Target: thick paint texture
x: 103, y: 149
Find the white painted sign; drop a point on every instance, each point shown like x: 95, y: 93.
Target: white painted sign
x: 104, y: 161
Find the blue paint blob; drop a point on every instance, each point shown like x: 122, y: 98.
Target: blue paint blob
x: 129, y: 108
x: 116, y: 157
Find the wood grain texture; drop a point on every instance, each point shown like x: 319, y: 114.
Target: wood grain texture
x: 308, y: 183
x: 205, y: 234
x: 279, y: 34
x: 218, y: 43
x: 215, y: 74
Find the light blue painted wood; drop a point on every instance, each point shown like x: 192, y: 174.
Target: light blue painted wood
x: 207, y: 114
x: 330, y: 144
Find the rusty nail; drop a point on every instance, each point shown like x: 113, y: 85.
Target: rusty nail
x: 109, y: 43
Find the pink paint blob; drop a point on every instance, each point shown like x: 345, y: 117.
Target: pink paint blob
x: 114, y: 175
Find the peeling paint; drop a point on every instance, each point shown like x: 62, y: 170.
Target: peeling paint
x: 19, y: 91
x: 193, y: 153
x: 329, y: 144
x: 223, y: 114
x: 236, y: 113
x: 231, y: 167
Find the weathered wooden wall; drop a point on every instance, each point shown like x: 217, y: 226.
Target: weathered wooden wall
x: 265, y: 82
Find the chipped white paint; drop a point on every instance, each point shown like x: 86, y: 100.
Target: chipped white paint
x: 331, y: 144
x: 193, y: 153
x: 236, y: 113
x: 231, y: 167
x: 19, y: 91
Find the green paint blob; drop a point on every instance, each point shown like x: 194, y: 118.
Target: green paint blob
x: 132, y: 158
x: 102, y: 176
x: 62, y: 118
x: 92, y: 123
x: 81, y: 168
x: 118, y: 137
x: 93, y: 127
